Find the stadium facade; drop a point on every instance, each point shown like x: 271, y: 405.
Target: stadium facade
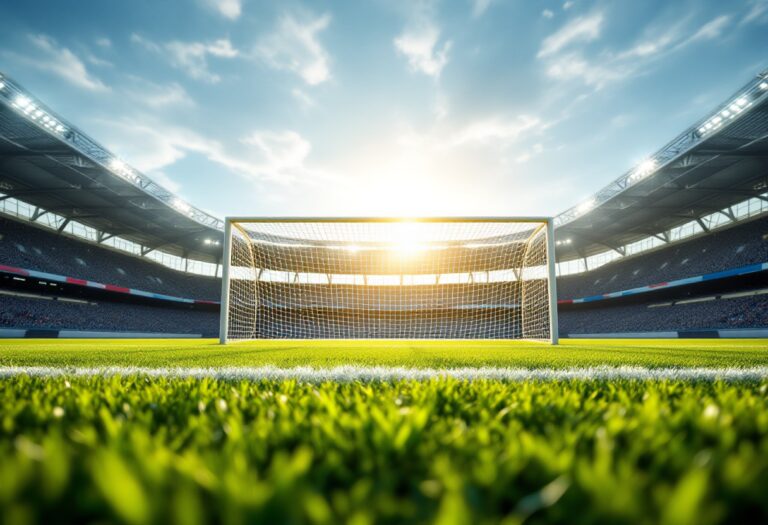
x: 675, y: 247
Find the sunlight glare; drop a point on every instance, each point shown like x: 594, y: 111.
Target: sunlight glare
x: 409, y: 238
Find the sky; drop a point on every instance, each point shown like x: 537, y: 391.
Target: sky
x: 383, y: 107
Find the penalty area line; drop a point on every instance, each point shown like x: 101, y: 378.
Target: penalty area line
x: 350, y: 373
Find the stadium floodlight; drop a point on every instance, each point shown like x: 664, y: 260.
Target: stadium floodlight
x: 365, y: 278
x: 644, y: 169
x: 585, y: 206
x: 21, y: 101
x: 117, y: 164
x: 123, y: 170
x: 38, y: 115
x: 182, y: 206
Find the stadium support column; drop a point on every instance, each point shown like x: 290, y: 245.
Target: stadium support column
x: 554, y: 335
x: 226, y: 263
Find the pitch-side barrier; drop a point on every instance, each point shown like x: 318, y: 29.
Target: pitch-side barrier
x: 44, y: 333
x: 727, y: 333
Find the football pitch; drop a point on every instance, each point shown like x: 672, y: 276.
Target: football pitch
x: 150, y: 431
x: 434, y: 354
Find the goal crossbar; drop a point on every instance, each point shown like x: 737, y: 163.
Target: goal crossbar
x: 299, y: 278
x: 247, y: 220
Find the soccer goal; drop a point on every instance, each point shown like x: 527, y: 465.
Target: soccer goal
x: 357, y: 278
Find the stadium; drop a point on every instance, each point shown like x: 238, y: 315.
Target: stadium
x: 160, y: 363
x: 676, y: 247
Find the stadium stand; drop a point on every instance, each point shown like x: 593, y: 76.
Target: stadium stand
x: 719, y: 250
x: 55, y: 313
x: 457, y: 311
x: 393, y: 298
x: 31, y: 247
x: 706, y: 313
x: 433, y: 324
x: 37, y: 250
x: 606, y: 307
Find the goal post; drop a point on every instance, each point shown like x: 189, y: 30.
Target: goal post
x: 388, y: 278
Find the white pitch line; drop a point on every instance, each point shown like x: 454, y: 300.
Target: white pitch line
x: 383, y: 373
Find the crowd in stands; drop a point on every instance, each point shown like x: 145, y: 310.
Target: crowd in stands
x: 741, y: 312
x: 356, y: 324
x: 33, y: 248
x: 720, y: 250
x: 36, y: 313
x: 390, y: 297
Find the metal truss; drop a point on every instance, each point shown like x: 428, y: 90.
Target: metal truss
x: 35, y: 112
x: 736, y: 107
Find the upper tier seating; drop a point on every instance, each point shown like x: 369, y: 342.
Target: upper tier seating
x: 33, y: 248
x: 720, y: 250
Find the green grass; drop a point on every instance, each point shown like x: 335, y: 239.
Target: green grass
x: 417, y: 354
x: 133, y: 450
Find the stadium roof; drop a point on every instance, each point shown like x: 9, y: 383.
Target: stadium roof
x: 720, y: 161
x: 49, y: 163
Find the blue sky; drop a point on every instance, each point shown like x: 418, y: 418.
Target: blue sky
x: 376, y: 107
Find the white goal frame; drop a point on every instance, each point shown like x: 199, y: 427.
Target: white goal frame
x: 550, y: 254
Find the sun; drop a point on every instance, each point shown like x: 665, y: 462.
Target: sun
x: 408, y: 238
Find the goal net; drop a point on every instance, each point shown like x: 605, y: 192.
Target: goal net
x: 388, y: 278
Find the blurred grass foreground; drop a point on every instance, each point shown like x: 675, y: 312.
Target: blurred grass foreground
x: 140, y: 450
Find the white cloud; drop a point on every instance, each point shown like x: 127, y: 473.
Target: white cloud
x: 158, y: 96
x: 104, y: 42
x: 582, y: 29
x: 651, y: 46
x: 480, y: 6
x: 191, y: 57
x: 278, y: 155
x: 99, y: 62
x: 757, y: 12
x: 294, y: 46
x: 496, y: 130
x: 420, y: 47
x: 305, y: 100
x: 568, y: 4
x: 573, y: 66
x: 527, y: 155
x: 65, y: 64
x: 151, y: 145
x: 227, y: 8
x: 566, y: 59
x: 547, y: 13
x: 711, y: 29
